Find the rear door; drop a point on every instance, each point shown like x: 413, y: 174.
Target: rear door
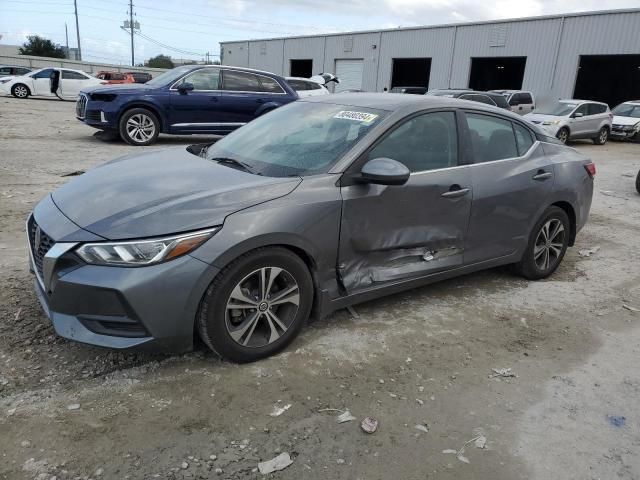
x: 71, y: 82
x: 511, y: 179
x: 392, y: 233
x: 600, y: 115
x: 197, y: 110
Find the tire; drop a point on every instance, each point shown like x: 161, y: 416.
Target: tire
x: 638, y: 182
x: 541, y: 258
x: 255, y: 328
x: 563, y: 135
x: 20, y: 90
x: 603, y: 136
x: 139, y: 127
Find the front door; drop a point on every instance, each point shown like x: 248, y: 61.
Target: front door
x: 392, y: 233
x: 41, y: 82
x: 580, y: 125
x: 197, y: 110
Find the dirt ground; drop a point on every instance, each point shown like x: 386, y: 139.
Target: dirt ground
x: 423, y: 357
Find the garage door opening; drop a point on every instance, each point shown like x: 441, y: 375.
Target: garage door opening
x: 411, y: 72
x: 612, y: 79
x: 497, y: 73
x: 301, y: 68
x: 349, y: 72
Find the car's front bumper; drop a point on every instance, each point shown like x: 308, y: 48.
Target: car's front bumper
x: 623, y: 133
x: 151, y: 307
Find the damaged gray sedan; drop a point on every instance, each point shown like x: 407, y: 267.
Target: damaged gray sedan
x: 321, y: 204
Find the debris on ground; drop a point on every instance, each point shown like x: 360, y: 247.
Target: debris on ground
x: 616, y: 420
x: 276, y: 464
x: 73, y: 406
x: 17, y: 317
x: 630, y: 308
x: 480, y: 441
x: 277, y: 411
x: 502, y: 372
x: 423, y: 427
x: 75, y: 173
x: 369, y: 425
x: 609, y: 193
x: 587, y: 252
x: 345, y: 417
x: 353, y: 312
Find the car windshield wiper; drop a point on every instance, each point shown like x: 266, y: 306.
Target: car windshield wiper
x: 232, y: 161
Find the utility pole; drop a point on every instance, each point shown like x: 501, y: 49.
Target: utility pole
x: 66, y: 36
x: 133, y: 64
x: 75, y: 7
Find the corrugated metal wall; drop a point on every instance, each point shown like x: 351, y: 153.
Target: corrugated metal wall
x: 552, y: 45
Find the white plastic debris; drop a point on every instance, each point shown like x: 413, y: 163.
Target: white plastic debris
x: 369, y: 425
x: 422, y: 427
x: 630, y: 308
x: 73, y: 406
x: 481, y: 441
x: 276, y: 464
x: 587, y: 252
x: 277, y: 411
x: 345, y: 417
x: 502, y: 372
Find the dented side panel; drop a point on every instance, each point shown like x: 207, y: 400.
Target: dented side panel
x: 390, y: 233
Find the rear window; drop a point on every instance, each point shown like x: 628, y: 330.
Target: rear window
x: 235, y: 81
x: 297, y: 85
x: 596, y: 108
x: 500, y: 101
x: 525, y: 98
x: 492, y: 138
x: 269, y: 85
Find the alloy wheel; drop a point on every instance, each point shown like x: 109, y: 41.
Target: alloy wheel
x: 20, y: 91
x: 603, y: 135
x: 262, y: 307
x: 549, y: 244
x: 140, y: 127
x: 563, y: 136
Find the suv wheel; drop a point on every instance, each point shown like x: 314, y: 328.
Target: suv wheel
x: 638, y: 182
x: 20, y: 91
x: 547, y: 245
x: 256, y: 305
x: 602, y: 137
x: 139, y: 127
x: 563, y: 134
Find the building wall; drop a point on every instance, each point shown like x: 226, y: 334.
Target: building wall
x: 304, y: 48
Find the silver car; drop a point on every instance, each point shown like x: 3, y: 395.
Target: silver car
x: 321, y: 204
x: 575, y: 119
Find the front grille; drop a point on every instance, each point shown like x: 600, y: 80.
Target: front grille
x: 93, y: 115
x: 38, y: 249
x: 81, y: 106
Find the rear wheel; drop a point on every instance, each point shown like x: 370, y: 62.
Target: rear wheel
x: 139, y: 127
x: 603, y: 136
x: 638, y: 182
x: 547, y: 245
x: 20, y: 91
x: 257, y: 305
x: 563, y: 134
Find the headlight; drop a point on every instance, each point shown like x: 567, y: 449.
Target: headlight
x: 143, y: 252
x: 554, y: 122
x: 6, y: 80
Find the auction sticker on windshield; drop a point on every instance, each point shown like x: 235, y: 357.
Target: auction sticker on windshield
x: 357, y: 116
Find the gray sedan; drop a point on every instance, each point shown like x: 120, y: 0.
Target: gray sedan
x: 321, y: 204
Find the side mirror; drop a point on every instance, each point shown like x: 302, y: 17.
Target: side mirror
x: 384, y: 171
x: 577, y: 115
x: 185, y: 87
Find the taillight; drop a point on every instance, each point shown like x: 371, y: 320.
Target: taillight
x: 591, y: 169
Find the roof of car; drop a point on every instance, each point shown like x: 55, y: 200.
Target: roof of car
x: 242, y: 69
x: 576, y: 100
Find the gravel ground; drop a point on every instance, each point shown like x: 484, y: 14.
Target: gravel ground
x: 421, y: 358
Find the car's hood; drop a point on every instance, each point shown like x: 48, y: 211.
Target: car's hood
x: 540, y: 117
x: 118, y: 88
x: 162, y: 192
x: 618, y: 120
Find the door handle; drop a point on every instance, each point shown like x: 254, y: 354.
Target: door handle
x: 542, y: 175
x: 455, y: 191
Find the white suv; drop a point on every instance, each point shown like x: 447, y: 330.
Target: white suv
x: 305, y: 87
x: 520, y: 101
x: 574, y: 119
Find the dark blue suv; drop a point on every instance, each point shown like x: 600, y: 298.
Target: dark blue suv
x: 185, y: 100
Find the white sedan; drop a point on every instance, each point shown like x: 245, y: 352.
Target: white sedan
x: 38, y: 83
x: 306, y: 87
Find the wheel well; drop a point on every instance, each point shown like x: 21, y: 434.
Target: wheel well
x: 24, y: 85
x: 145, y: 106
x: 566, y: 206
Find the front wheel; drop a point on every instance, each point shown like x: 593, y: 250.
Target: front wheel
x: 638, y: 182
x: 20, y: 91
x: 603, y: 136
x: 547, y: 245
x: 563, y: 135
x: 257, y: 305
x: 139, y: 127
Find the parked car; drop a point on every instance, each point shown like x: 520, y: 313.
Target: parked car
x: 626, y: 121
x: 38, y: 83
x: 520, y: 101
x: 487, y: 98
x: 13, y: 71
x: 186, y: 100
x: 305, y: 87
x: 140, y: 77
x: 574, y: 119
x: 413, y: 90
x: 323, y: 203
x: 115, y: 78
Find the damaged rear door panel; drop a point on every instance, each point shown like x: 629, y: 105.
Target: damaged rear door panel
x: 392, y: 233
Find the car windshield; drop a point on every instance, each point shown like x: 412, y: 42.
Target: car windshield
x: 627, y: 110
x: 557, y: 110
x: 302, y: 138
x: 170, y: 76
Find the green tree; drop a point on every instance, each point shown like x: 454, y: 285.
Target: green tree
x: 41, y: 47
x: 160, y: 61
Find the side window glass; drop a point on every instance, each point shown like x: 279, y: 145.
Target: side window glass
x: 46, y: 73
x: 524, y: 139
x: 492, y: 138
x: 270, y: 85
x: 426, y: 142
x: 205, y: 79
x: 240, y: 81
x: 5, y: 71
x: 70, y: 75
x: 314, y: 86
x: 583, y: 109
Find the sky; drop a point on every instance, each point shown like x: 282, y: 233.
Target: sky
x: 190, y: 29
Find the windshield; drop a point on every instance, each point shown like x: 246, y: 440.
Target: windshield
x: 169, y: 76
x: 558, y: 110
x: 627, y: 110
x: 298, y: 139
